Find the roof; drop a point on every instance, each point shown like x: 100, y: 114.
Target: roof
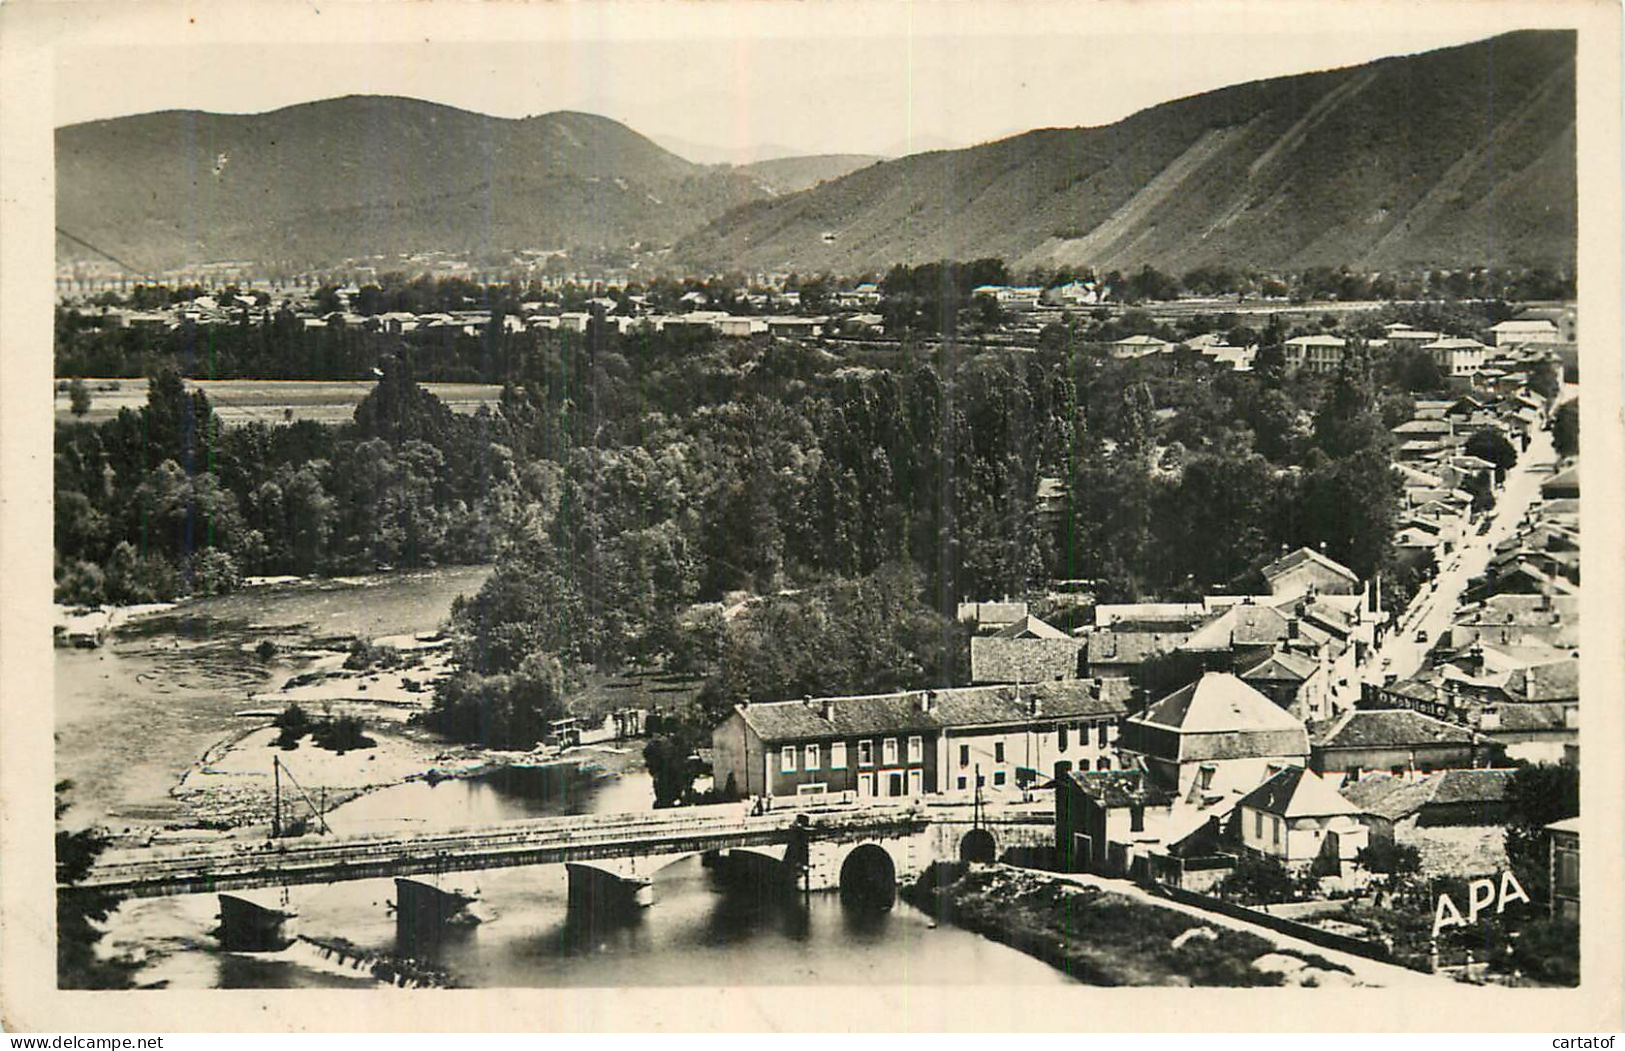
x: 1471, y: 786
x: 1294, y: 559
x: 1240, y: 625
x: 1385, y: 795
x: 1030, y: 626
x: 1394, y: 728
x: 1456, y: 343
x: 1568, y: 824
x: 949, y: 708
x: 1316, y: 341
x: 1537, y: 716
x: 1283, y: 666
x: 1218, y: 702
x: 1557, y: 681
x: 1118, y: 788
x: 1130, y: 647
x: 1295, y: 792
x: 1541, y: 325
x: 1107, y: 614
x: 1141, y: 341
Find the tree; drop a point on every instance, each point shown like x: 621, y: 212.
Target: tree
x: 1493, y: 446
x: 1566, y: 428
x: 79, y: 397
x: 81, y: 912
x: 1537, y: 796
x: 1258, y: 880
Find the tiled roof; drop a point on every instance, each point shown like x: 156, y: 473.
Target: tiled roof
x: 1295, y: 792
x: 1031, y: 625
x: 1557, y: 681
x: 949, y: 708
x: 1471, y: 786
x: 1517, y: 718
x: 1131, y: 647
x: 1385, y: 795
x: 1393, y: 728
x: 1218, y: 702
x: 1240, y: 625
x: 1282, y: 666
x: 1119, y: 788
x: 1297, y: 558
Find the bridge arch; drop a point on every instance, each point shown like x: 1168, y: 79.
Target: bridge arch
x: 980, y: 845
x: 869, y: 876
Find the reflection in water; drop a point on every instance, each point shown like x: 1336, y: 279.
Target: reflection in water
x: 700, y: 931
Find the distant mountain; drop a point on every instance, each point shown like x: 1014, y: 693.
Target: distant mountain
x: 793, y: 174
x: 1463, y: 155
x: 323, y: 181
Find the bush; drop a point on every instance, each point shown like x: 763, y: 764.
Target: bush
x: 341, y: 735
x: 365, y: 654
x: 1549, y: 950
x: 1390, y: 858
x: 1258, y: 880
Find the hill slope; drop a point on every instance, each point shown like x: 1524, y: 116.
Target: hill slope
x: 792, y: 174
x: 1464, y: 155
x: 367, y: 174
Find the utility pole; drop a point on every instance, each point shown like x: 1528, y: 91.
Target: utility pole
x: 276, y: 813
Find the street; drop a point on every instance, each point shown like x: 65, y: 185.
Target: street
x: 1434, y: 607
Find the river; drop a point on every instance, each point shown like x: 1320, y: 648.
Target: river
x: 699, y: 931
x: 132, y: 716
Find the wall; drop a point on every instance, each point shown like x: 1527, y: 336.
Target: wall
x: 1385, y: 760
x: 1037, y: 747
x: 849, y: 778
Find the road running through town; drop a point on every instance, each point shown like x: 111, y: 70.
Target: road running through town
x: 1432, y: 609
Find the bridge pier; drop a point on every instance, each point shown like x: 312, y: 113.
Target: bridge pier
x: 759, y: 869
x: 250, y: 925
x: 424, y: 912
x: 606, y: 892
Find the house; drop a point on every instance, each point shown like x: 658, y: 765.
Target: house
x: 1403, y: 338
x: 1122, y: 654
x: 1564, y: 485
x: 1238, y: 359
x: 1400, y: 741
x: 1295, y: 682
x: 1027, y: 651
x: 1295, y: 816
x: 1314, y: 353
x: 1150, y: 616
x: 909, y: 744
x: 1139, y: 347
x: 1523, y: 333
x: 1457, y: 358
x: 1564, y: 872
x: 1097, y: 812
x: 788, y: 327
x: 1304, y: 570
x: 987, y: 618
x: 1215, y: 735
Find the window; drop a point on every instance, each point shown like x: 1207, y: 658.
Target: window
x: 888, y: 751
x: 787, y: 759
x: 1275, y: 831
x: 961, y: 783
x: 866, y: 753
x: 916, y: 782
x: 812, y: 757
x: 837, y: 756
x: 998, y: 751
x: 964, y: 756
x: 1065, y: 741
x: 1103, y: 763
x: 998, y: 777
x: 1100, y: 740
x: 1258, y: 824
x: 916, y: 750
x: 1136, y: 819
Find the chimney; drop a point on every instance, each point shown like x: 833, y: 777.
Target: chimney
x: 1528, y: 684
x: 744, y: 702
x: 827, y: 709
x: 928, y: 701
x: 1035, y: 707
x: 1292, y: 627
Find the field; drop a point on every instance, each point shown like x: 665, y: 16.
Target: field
x: 238, y: 402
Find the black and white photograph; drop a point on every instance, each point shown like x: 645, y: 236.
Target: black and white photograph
x: 921, y: 498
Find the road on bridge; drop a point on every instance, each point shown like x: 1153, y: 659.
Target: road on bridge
x: 236, y: 865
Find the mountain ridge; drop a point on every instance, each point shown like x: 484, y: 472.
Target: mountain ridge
x: 1406, y: 161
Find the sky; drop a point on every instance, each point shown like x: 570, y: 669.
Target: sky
x: 882, y: 80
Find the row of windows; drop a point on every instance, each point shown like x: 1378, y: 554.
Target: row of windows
x: 812, y: 754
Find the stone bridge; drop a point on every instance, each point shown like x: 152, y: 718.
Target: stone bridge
x: 611, y: 860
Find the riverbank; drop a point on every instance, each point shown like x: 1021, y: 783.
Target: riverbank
x: 1102, y: 938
